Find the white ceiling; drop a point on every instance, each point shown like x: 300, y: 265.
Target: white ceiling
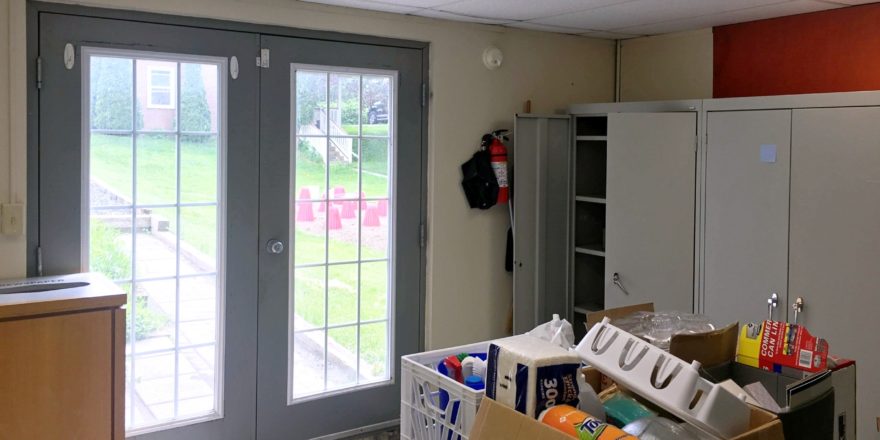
x: 613, y: 19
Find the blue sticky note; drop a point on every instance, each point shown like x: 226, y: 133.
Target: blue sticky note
x: 768, y: 153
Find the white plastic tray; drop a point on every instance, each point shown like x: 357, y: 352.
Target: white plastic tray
x: 665, y: 380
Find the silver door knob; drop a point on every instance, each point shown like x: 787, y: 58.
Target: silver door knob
x: 798, y: 307
x: 274, y: 246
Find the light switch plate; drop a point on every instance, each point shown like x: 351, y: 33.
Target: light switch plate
x: 12, y: 219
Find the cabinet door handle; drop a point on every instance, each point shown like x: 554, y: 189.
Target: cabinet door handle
x: 616, y: 280
x: 798, y: 307
x: 772, y: 303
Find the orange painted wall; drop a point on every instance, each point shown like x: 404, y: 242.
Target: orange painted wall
x: 828, y: 51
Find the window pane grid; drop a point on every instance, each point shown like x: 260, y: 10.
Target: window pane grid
x: 183, y: 229
x: 342, y: 325
x: 170, y: 350
x: 335, y: 132
x: 181, y: 132
x: 154, y: 206
x: 182, y: 276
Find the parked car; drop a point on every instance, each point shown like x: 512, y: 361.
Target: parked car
x: 377, y: 113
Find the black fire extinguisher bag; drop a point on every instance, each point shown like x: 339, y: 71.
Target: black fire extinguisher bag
x: 479, y: 182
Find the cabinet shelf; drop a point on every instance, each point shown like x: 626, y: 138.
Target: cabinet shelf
x: 590, y: 199
x: 591, y: 138
x: 591, y: 249
x: 587, y: 308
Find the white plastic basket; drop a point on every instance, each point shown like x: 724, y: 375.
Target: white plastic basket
x: 422, y: 417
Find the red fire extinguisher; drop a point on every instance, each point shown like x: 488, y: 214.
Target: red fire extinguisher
x: 494, y: 142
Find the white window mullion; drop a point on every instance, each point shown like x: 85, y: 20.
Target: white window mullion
x: 177, y: 251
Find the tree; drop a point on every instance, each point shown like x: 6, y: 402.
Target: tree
x: 111, y: 95
x: 195, y: 115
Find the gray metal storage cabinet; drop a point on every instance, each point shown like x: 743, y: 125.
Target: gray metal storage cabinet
x: 604, y: 203
x: 709, y: 206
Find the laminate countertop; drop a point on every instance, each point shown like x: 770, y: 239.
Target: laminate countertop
x: 58, y: 294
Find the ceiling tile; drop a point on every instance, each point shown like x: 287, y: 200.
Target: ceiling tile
x: 730, y: 17
x: 433, y: 13
x: 544, y: 27
x: 623, y: 15
x: 523, y: 9
x: 417, y: 3
x: 608, y: 35
x: 367, y: 4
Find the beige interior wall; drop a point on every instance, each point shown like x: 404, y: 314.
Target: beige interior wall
x: 12, y: 133
x: 468, y: 292
x: 671, y: 66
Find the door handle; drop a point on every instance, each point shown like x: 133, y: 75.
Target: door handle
x: 772, y: 303
x: 798, y: 307
x: 616, y: 280
x: 274, y: 246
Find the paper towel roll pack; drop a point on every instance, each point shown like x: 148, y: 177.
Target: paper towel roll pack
x: 529, y: 375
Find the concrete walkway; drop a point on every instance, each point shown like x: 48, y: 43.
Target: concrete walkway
x: 153, y: 381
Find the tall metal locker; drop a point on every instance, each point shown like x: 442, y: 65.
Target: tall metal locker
x: 608, y: 166
x: 541, y: 205
x: 835, y: 241
x: 747, y: 185
x: 651, y: 199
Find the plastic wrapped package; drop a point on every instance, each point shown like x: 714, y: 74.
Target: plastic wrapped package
x: 530, y: 374
x: 659, y: 327
x: 621, y: 409
x: 557, y: 332
x: 657, y: 428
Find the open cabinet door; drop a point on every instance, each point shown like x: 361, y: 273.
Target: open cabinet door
x: 649, y: 241
x: 542, y: 206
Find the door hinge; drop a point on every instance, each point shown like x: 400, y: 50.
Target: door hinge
x: 39, y: 256
x: 263, y: 59
x: 423, y: 235
x: 424, y: 94
x: 39, y: 73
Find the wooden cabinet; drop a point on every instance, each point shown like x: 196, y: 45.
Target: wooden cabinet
x: 62, y: 364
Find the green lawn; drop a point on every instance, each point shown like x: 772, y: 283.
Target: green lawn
x: 369, y: 130
x: 342, y: 294
x: 111, y: 162
x: 310, y: 167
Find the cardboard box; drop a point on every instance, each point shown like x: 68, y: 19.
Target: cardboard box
x: 717, y: 350
x: 829, y: 412
x: 498, y: 422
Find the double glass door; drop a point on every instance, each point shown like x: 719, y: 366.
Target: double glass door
x: 264, y: 220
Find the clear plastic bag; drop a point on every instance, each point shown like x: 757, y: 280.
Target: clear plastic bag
x: 557, y: 332
x: 657, y: 428
x: 659, y: 327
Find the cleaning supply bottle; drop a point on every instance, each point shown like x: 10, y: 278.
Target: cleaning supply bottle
x: 588, y: 400
x: 581, y: 425
x: 475, y: 382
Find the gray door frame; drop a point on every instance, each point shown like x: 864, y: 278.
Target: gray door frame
x: 248, y: 369
x: 377, y: 404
